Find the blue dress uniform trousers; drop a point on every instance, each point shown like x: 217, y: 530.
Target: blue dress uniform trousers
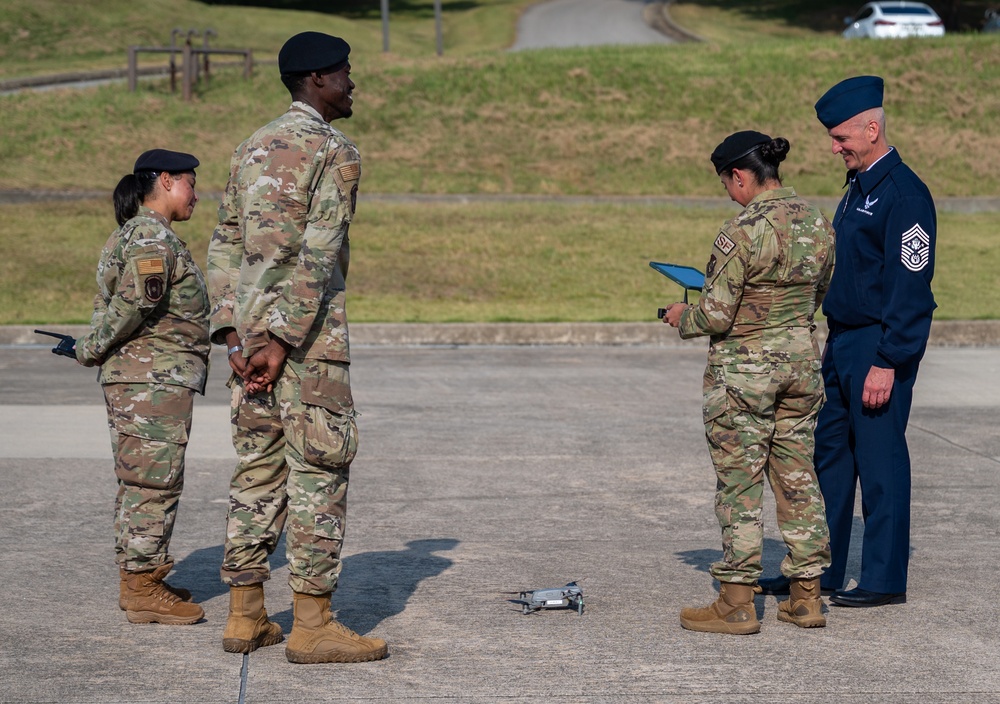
x: 856, y: 444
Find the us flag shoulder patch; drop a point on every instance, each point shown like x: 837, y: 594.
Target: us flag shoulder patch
x: 724, y: 243
x: 150, y: 266
x: 915, y: 252
x: 350, y: 172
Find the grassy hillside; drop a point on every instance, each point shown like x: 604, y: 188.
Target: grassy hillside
x: 606, y: 120
x: 40, y: 37
x: 602, y: 121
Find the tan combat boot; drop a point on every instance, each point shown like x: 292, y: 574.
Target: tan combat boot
x: 248, y: 627
x: 803, y: 607
x: 149, y: 601
x: 316, y: 637
x: 733, y: 612
x: 182, y: 593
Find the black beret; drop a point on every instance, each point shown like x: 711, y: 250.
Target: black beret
x: 849, y: 98
x: 165, y: 160
x: 311, y: 51
x: 735, y: 147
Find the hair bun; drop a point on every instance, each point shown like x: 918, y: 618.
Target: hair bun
x: 776, y: 150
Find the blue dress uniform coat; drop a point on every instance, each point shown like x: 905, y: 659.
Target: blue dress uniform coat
x: 879, y: 310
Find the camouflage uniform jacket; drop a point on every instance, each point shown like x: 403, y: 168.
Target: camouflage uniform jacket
x: 770, y: 268
x: 278, y: 260
x: 150, y: 321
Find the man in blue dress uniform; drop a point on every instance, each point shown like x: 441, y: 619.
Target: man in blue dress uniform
x: 879, y: 310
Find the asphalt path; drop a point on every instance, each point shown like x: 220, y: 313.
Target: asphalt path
x: 485, y: 470
x: 566, y: 23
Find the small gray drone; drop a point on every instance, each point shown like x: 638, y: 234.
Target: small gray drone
x: 568, y: 597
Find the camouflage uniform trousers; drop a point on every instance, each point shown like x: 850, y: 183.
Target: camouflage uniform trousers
x: 149, y: 426
x: 761, y: 417
x: 295, y: 446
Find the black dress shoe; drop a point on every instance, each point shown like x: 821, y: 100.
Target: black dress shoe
x: 863, y: 597
x: 781, y: 585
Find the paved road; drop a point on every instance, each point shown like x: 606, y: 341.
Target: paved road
x: 565, y: 23
x: 485, y: 470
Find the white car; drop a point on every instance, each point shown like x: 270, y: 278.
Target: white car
x: 879, y: 20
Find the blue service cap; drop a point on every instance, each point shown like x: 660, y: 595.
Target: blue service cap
x: 311, y: 51
x: 849, y: 98
x: 165, y: 160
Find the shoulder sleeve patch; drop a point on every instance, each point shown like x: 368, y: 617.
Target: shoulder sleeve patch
x: 153, y: 289
x: 145, y: 267
x: 350, y: 172
x: 725, y: 244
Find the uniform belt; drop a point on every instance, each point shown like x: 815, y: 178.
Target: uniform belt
x: 834, y: 327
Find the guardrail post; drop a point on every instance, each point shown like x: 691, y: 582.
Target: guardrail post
x: 204, y: 44
x: 385, y: 26
x: 195, y: 69
x: 174, y: 33
x: 437, y: 27
x: 187, y: 71
x: 133, y: 68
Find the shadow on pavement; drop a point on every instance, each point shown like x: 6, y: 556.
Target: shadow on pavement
x: 375, y: 585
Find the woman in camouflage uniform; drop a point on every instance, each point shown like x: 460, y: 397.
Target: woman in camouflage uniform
x: 769, y: 269
x: 149, y: 334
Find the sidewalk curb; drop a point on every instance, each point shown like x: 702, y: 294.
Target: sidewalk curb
x: 944, y: 333
x: 657, y: 16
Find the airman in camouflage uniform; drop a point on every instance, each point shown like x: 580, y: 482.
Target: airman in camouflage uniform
x: 769, y: 269
x: 277, y: 268
x: 149, y: 334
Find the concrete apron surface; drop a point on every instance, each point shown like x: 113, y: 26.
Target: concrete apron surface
x: 486, y: 470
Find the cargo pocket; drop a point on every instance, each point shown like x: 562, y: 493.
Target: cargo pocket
x: 150, y: 453
x: 150, y: 426
x: 158, y: 414
x: 330, y: 437
x: 716, y: 399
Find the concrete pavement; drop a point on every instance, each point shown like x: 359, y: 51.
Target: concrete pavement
x: 485, y: 470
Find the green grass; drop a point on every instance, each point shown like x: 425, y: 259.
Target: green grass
x: 609, y: 120
x: 39, y: 37
x: 465, y: 263
x: 597, y: 121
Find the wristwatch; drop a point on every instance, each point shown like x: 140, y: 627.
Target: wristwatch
x: 235, y: 348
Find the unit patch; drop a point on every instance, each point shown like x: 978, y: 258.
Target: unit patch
x: 724, y: 243
x: 916, y: 248
x: 710, y: 269
x: 153, y: 288
x: 150, y: 266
